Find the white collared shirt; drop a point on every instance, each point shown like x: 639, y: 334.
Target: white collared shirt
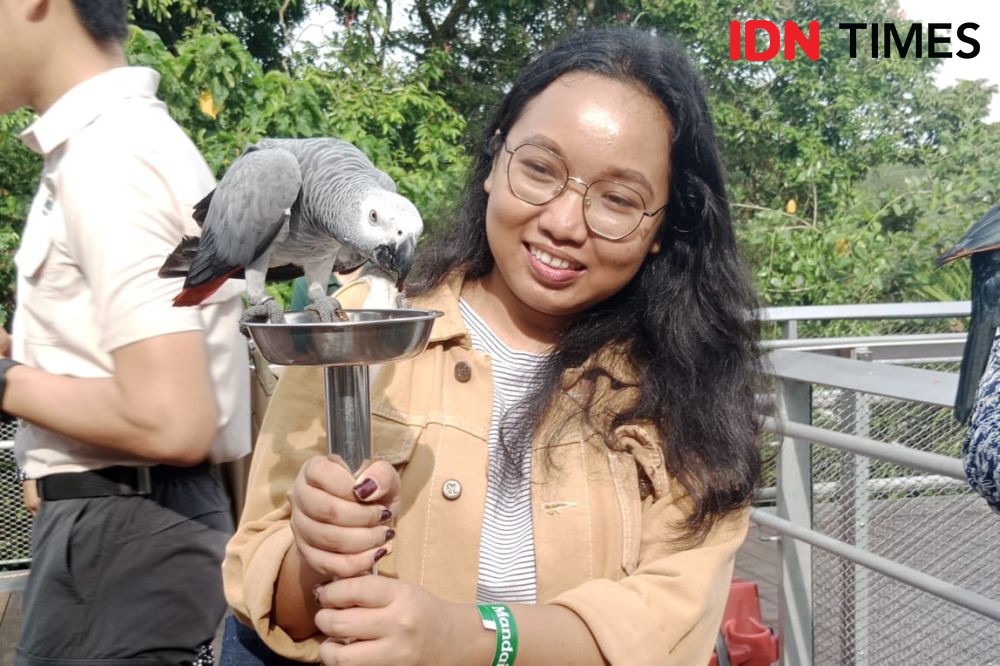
x: 118, y: 185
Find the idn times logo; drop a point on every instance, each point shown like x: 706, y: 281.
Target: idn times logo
x: 760, y: 39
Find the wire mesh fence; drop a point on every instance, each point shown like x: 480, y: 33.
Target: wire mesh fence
x: 15, y: 521
x: 930, y: 523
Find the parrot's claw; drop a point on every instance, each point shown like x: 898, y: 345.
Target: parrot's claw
x: 268, y: 310
x: 328, y: 309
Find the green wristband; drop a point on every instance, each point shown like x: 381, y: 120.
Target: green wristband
x: 498, y: 618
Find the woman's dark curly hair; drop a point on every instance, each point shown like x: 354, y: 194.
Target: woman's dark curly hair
x: 687, y: 319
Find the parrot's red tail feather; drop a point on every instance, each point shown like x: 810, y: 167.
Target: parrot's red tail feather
x: 196, y: 295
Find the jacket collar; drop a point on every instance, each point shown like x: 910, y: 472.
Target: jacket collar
x: 444, y: 298
x: 451, y: 327
x: 85, y: 102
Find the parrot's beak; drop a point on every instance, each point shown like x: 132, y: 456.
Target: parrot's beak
x: 397, y: 259
x: 404, y: 260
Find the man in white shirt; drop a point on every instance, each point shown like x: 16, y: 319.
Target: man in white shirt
x: 123, y: 399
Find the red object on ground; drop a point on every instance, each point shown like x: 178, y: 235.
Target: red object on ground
x: 749, y: 641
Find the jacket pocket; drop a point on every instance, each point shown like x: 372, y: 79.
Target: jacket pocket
x: 393, y: 439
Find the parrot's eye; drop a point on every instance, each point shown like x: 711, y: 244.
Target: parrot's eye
x: 373, y: 216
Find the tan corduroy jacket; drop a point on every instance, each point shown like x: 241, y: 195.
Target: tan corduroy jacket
x: 601, y: 548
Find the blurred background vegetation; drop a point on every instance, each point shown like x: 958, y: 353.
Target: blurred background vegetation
x: 847, y: 176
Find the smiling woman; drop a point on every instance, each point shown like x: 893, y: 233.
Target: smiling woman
x: 551, y: 263
x: 563, y: 474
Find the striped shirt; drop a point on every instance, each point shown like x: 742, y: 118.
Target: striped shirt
x: 507, y: 544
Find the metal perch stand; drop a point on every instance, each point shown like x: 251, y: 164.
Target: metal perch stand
x: 345, y: 349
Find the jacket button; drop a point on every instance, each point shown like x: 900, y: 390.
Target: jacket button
x: 451, y: 489
x: 463, y: 372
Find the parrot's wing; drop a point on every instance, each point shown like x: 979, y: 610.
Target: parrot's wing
x: 246, y: 212
x: 982, y: 236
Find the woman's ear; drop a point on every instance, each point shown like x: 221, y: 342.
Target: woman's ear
x: 492, y: 146
x: 488, y: 183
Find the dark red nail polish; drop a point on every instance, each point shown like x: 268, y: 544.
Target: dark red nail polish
x: 389, y: 533
x: 386, y: 516
x: 364, y: 489
x: 379, y: 554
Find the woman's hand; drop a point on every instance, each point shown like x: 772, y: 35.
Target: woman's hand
x: 397, y: 623
x: 339, y: 522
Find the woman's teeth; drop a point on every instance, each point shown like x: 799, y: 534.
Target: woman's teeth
x: 549, y: 260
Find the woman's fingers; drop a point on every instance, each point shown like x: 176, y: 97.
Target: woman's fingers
x: 355, y: 623
x: 330, y: 474
x: 379, y: 482
x: 337, y: 534
x: 363, y: 592
x: 339, y: 565
x: 324, y: 507
x: 337, y: 538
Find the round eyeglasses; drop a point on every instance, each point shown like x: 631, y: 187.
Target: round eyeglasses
x: 537, y: 176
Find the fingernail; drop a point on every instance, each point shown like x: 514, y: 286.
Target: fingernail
x: 317, y: 588
x: 386, y: 516
x: 379, y: 554
x: 389, y: 533
x: 364, y: 489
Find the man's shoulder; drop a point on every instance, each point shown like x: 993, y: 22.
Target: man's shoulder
x: 139, y: 126
x: 136, y: 137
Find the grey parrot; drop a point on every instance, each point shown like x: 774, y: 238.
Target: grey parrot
x: 982, y: 242
x: 318, y: 204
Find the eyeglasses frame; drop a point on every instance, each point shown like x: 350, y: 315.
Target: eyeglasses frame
x: 584, y: 198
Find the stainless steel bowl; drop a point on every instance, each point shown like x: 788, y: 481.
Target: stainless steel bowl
x: 370, y: 336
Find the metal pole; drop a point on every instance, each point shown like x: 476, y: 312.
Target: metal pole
x: 903, y: 456
x: 349, y: 413
x: 860, y: 515
x: 794, y: 484
x: 948, y: 591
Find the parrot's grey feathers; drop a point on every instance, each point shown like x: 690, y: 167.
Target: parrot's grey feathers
x: 251, y: 202
x: 316, y: 203
x: 385, y: 181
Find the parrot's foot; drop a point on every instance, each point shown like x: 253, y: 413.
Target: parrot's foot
x: 268, y: 310
x: 328, y: 309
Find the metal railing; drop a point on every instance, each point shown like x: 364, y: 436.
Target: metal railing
x: 15, y: 521
x: 885, y: 555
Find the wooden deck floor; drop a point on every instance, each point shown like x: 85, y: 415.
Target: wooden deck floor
x: 10, y: 626
x: 757, y: 561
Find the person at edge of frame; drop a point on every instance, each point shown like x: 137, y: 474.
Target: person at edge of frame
x: 123, y: 400
x: 563, y: 475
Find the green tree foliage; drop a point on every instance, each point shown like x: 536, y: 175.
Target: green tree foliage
x: 260, y: 25
x: 848, y: 175
x: 19, y: 169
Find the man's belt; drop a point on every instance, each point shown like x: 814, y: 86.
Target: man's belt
x: 109, y: 481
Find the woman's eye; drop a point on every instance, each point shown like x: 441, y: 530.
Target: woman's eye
x: 539, y: 168
x: 619, y: 200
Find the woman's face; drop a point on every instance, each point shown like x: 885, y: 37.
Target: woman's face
x: 548, y: 263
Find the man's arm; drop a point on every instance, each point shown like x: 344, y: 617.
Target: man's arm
x: 159, y: 403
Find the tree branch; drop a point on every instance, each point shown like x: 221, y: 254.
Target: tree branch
x: 427, y: 20
x: 447, y: 29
